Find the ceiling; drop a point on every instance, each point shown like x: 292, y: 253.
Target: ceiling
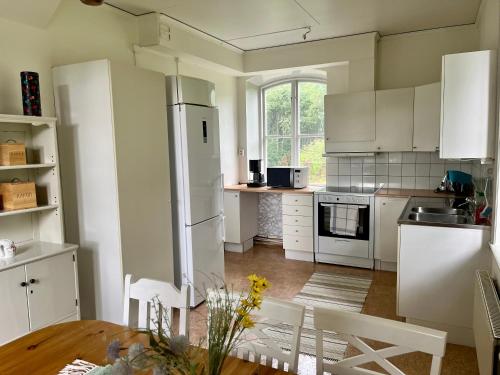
x: 258, y: 24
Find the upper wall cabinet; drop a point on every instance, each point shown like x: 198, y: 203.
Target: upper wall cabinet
x: 350, y: 122
x: 468, y: 102
x: 394, y: 119
x: 427, y: 117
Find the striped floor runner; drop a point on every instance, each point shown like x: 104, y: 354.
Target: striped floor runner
x: 331, y: 290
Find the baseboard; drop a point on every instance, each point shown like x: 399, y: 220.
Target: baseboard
x: 238, y: 247
x: 306, y: 256
x: 456, y: 335
x: 380, y: 265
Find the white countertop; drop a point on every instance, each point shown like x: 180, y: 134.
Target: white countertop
x: 35, y: 251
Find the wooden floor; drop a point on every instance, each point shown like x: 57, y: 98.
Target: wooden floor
x: 288, y: 277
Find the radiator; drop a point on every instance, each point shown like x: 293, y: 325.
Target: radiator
x: 486, y: 324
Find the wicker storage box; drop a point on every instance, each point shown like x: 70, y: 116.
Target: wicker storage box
x: 17, y: 195
x: 12, y: 154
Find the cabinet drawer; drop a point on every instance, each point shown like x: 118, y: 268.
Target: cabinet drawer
x: 297, y: 210
x: 298, y: 243
x: 298, y: 200
x: 295, y: 230
x: 303, y: 221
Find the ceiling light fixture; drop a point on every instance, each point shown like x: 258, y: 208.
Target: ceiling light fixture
x: 92, y: 2
x: 305, y: 34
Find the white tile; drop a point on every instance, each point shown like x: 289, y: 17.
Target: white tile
x: 357, y: 181
x: 435, y: 158
x: 408, y: 182
x: 434, y: 182
x: 382, y: 157
x: 356, y: 169
x: 369, y: 169
x: 356, y: 159
x: 332, y: 181
x: 394, y: 182
x: 332, y: 160
x: 409, y: 157
x: 381, y: 180
x: 332, y: 169
x: 344, y: 181
x: 423, y: 157
x: 368, y: 181
x: 344, y: 169
x: 369, y: 159
x: 395, y: 157
x: 394, y: 169
x: 422, y: 170
x: 467, y: 168
x: 382, y: 169
x: 408, y: 170
x: 421, y: 182
x: 345, y: 159
x: 437, y: 170
x: 452, y: 166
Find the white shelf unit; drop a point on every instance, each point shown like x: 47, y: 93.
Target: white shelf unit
x: 43, y: 223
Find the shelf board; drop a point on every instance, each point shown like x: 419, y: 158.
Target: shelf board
x: 28, y: 210
x: 26, y: 166
x: 33, y: 120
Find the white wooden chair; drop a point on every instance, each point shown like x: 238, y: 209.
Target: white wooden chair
x: 274, y: 317
x: 147, y: 292
x: 404, y: 337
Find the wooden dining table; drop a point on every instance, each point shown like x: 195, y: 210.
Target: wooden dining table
x: 48, y: 350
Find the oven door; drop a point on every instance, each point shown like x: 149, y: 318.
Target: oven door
x: 333, y: 239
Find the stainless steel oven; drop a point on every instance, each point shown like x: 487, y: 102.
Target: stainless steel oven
x: 344, y: 229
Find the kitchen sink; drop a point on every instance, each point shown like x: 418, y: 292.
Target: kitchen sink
x: 439, y: 210
x: 438, y: 217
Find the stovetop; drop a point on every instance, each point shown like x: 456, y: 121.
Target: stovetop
x: 348, y: 190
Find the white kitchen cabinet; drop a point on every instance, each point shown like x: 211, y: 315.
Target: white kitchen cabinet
x: 114, y: 150
x: 394, y: 120
x: 350, y: 122
x: 298, y: 233
x: 468, y: 105
x: 436, y: 268
x: 38, y: 288
x: 240, y: 220
x: 427, y: 117
x: 15, y: 321
x: 387, y: 212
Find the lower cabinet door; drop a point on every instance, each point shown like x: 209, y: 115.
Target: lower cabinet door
x: 14, y: 307
x: 51, y: 290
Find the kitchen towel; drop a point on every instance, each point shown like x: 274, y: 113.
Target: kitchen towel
x: 344, y: 219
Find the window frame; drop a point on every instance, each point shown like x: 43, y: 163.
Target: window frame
x: 295, y: 108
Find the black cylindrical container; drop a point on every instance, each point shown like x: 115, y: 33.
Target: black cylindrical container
x: 30, y: 86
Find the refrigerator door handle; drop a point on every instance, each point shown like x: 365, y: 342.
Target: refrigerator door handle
x: 222, y: 193
x: 223, y: 228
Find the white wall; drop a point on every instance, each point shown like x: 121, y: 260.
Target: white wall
x: 414, y: 59
x: 488, y: 24
x: 76, y: 33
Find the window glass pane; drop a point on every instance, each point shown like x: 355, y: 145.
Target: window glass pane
x: 279, y: 152
x: 311, y: 111
x: 311, y: 155
x: 278, y: 110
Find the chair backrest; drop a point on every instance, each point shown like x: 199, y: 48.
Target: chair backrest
x: 148, y: 293
x: 404, y: 337
x: 276, y: 334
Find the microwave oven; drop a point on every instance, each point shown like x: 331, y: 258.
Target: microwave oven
x: 288, y: 177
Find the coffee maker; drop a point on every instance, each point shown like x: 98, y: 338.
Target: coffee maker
x: 257, y: 179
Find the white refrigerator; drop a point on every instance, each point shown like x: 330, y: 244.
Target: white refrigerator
x: 197, y: 184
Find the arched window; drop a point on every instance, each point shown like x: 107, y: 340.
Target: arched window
x: 293, y: 126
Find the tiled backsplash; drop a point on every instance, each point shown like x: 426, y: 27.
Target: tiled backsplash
x: 407, y: 170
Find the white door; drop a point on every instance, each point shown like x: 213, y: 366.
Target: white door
x: 14, y: 321
x: 394, y: 119
x: 350, y: 122
x: 387, y: 212
x: 203, y: 185
x: 51, y: 290
x: 205, y: 258
x: 427, y: 117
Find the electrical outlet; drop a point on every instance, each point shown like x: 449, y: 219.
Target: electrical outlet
x: 241, y: 152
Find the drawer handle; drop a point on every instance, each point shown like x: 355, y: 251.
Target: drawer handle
x: 296, y: 200
x: 296, y: 210
x: 296, y: 231
x: 296, y: 240
x: 33, y: 281
x: 23, y: 284
x: 342, y: 240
